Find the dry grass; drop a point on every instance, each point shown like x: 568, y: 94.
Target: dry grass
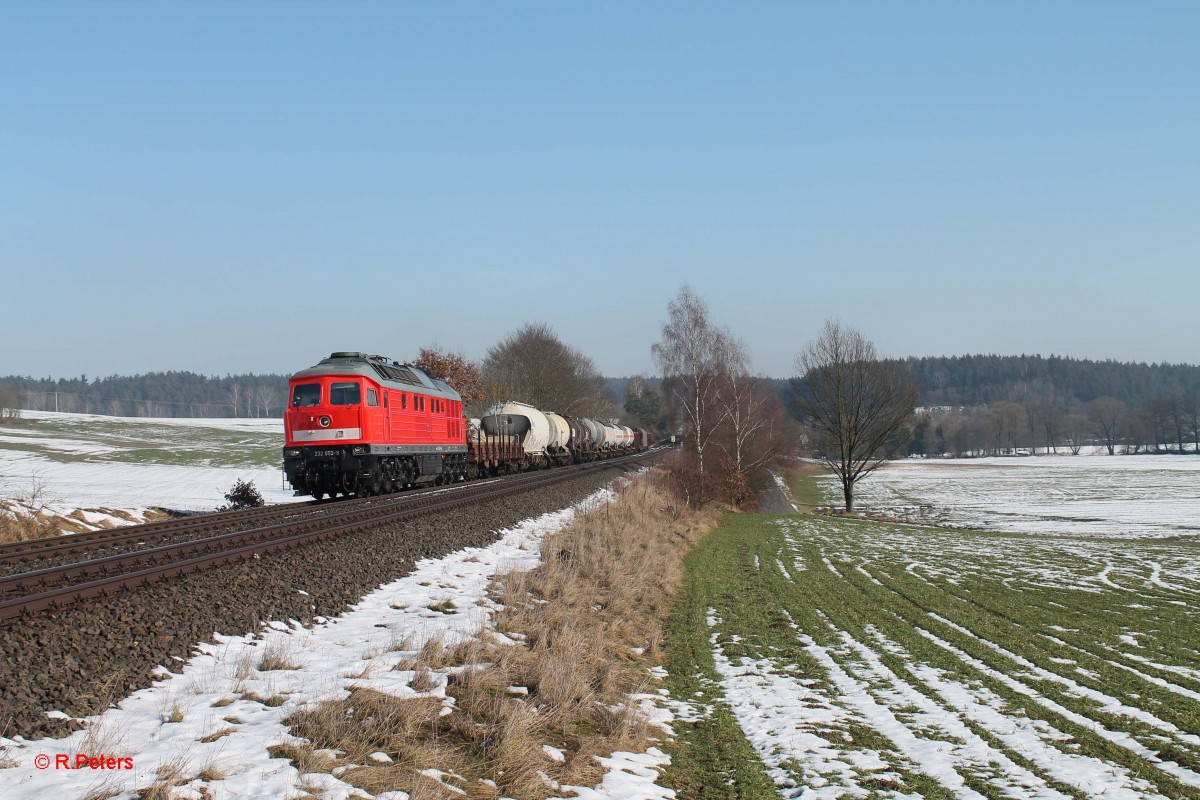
x: 168, y: 775
x: 103, y: 736
x: 20, y: 521
x: 273, y: 701
x: 215, y: 735
x: 279, y: 653
x: 589, y: 619
x: 211, y: 772
x: 104, y: 792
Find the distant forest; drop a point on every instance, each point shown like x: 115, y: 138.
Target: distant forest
x: 983, y: 380
x: 955, y: 381
x: 155, y: 394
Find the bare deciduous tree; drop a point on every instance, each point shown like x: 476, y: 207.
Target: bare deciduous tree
x: 856, y: 406
x: 689, y: 355
x: 1045, y: 419
x: 266, y: 399
x: 1191, y: 407
x: 1075, y: 428
x: 751, y: 416
x: 1106, y: 414
x: 235, y: 397
x: 534, y: 366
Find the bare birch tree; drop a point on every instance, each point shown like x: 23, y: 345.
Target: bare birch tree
x: 857, y: 407
x: 689, y: 355
x: 748, y: 409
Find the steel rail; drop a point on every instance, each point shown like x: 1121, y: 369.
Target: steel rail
x: 244, y: 544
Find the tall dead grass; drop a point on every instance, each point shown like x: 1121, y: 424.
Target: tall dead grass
x: 589, y: 622
x: 25, y: 516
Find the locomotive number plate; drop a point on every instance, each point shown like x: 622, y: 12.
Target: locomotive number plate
x: 325, y: 453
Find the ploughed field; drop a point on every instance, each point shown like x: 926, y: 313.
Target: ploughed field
x: 879, y: 659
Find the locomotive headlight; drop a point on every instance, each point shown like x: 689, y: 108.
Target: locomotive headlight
x: 291, y: 452
x: 323, y: 422
x: 358, y: 449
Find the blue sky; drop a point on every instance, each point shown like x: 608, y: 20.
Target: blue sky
x: 233, y: 187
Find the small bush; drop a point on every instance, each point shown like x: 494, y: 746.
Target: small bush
x: 242, y: 495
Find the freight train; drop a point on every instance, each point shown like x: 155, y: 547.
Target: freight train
x: 366, y: 425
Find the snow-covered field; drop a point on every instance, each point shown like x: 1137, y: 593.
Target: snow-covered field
x: 82, y: 461
x: 1093, y: 495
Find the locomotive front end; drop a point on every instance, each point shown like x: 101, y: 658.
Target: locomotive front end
x: 324, y: 434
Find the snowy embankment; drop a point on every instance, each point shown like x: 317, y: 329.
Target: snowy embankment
x: 213, y: 725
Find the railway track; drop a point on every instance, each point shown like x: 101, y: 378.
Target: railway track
x: 270, y: 530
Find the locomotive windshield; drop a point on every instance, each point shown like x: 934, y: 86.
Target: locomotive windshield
x: 306, y: 394
x: 344, y: 394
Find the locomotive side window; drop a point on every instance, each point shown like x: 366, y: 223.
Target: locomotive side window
x: 344, y: 394
x: 403, y: 400
x: 306, y: 394
x: 372, y: 397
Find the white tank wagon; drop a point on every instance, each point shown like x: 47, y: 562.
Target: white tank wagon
x: 530, y: 426
x: 595, y: 431
x: 626, y: 436
x: 611, y: 437
x: 560, y: 433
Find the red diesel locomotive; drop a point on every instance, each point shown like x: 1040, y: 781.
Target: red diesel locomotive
x: 359, y: 424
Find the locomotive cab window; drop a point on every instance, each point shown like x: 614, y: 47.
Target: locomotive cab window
x: 372, y: 397
x: 345, y: 394
x: 306, y: 394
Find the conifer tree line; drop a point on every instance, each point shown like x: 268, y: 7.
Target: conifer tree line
x: 154, y: 394
x: 1021, y: 404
